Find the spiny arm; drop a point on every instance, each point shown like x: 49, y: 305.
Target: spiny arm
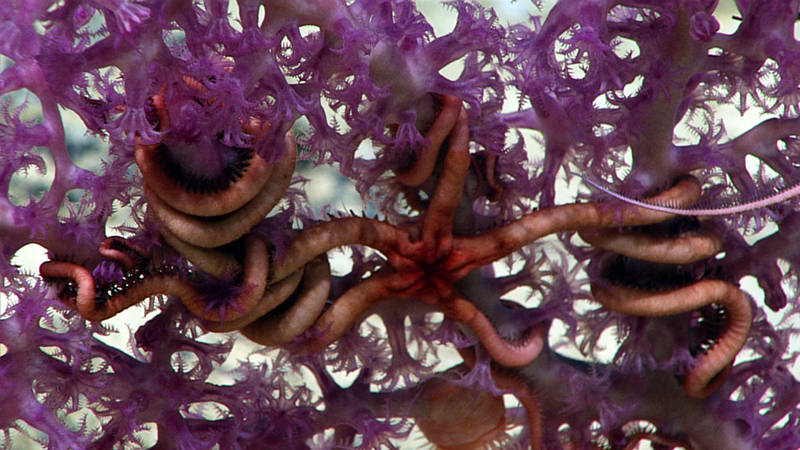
x: 779, y: 196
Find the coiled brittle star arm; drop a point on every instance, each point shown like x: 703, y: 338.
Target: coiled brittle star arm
x: 218, y: 207
x: 247, y: 181
x: 219, y: 230
x: 81, y: 290
x: 709, y: 370
x: 699, y: 380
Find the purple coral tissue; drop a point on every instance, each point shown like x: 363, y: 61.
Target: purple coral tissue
x: 629, y: 92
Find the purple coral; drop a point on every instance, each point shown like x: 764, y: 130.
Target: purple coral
x: 608, y: 90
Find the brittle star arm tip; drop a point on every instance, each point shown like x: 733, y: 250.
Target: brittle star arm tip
x: 764, y: 202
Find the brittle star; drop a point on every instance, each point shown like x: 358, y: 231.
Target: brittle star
x: 424, y: 259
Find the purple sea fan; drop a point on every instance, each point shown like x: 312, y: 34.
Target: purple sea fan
x: 466, y: 276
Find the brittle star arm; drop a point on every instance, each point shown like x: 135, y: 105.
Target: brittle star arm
x: 215, y: 261
x: 354, y: 304
x: 284, y: 327
x: 699, y: 381
x: 679, y: 250
x: 710, y: 370
x: 347, y: 310
x: 205, y: 204
x: 437, y: 224
x: 85, y: 297
x: 215, y: 231
x: 473, y: 252
x: 425, y: 163
x: 274, y: 296
x: 114, y: 248
x: 503, y: 352
x: 781, y: 196
x: 320, y: 238
x: 139, y: 285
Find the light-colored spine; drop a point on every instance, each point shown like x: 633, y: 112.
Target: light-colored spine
x: 777, y: 197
